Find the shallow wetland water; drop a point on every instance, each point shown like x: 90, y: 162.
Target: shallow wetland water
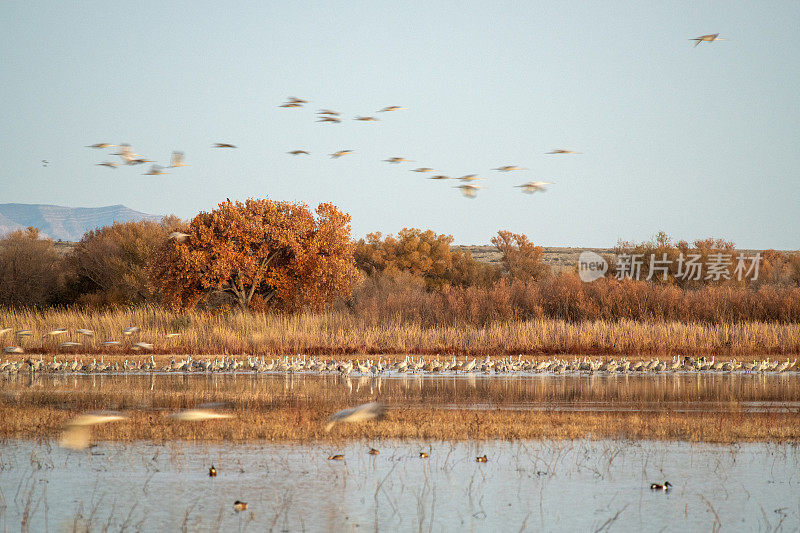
x: 539, y: 485
x: 544, y: 484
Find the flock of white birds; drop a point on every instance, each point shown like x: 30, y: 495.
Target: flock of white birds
x: 400, y: 365
x: 468, y: 186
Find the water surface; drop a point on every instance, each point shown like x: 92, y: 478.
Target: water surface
x: 542, y: 485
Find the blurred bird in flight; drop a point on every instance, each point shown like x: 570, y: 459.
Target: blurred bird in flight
x: 361, y: 413
x: 177, y: 160
x: 155, y: 170
x: 470, y: 191
x: 559, y: 151
x: 708, y: 38
x: 534, y: 186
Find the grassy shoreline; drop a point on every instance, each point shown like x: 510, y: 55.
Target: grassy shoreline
x: 285, y: 409
x: 304, y: 425
x: 341, y: 333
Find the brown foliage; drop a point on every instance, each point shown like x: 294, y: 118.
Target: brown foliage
x: 263, y: 253
x: 29, y: 274
x: 110, y: 264
x: 522, y: 260
x: 422, y: 254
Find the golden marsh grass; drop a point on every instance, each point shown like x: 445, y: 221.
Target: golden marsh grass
x: 341, y: 333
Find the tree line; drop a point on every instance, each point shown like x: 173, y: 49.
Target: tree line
x: 265, y: 255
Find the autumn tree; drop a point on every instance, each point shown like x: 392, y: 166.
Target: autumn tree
x: 29, y: 269
x: 671, y: 260
x: 425, y: 254
x: 110, y: 265
x: 262, y: 253
x: 521, y: 259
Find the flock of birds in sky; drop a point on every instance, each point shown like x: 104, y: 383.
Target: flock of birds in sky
x: 468, y: 186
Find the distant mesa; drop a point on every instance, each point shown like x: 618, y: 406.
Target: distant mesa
x: 65, y: 223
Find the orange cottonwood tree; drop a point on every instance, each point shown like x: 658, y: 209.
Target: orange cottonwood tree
x: 521, y: 259
x: 263, y: 253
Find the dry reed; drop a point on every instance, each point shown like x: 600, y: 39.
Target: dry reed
x: 340, y: 332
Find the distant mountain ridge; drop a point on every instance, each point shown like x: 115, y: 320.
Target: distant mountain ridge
x: 65, y: 223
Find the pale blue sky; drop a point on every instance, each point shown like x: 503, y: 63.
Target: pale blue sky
x: 695, y: 141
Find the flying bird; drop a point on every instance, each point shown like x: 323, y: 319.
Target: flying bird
x: 327, y: 112
x: 397, y: 160
x: 422, y: 169
x: 101, y: 145
x: 177, y: 160
x: 534, y: 186
x: 469, y: 177
x: 298, y: 152
x: 332, y: 120
x: 77, y: 432
x: 391, y: 108
x: 109, y: 164
x: 291, y: 104
x: 197, y: 415
x: 367, y: 119
x: 126, y: 153
x: 361, y: 413
x: 439, y: 177
x: 69, y: 344
x: 155, y: 170
x: 509, y: 168
x: 178, y: 236
x: 45, y: 162
x: 143, y: 346
x: 470, y: 191
x: 140, y: 161
x: 224, y: 145
x: 708, y: 38
x: 54, y: 332
x: 295, y: 100
x: 559, y: 151
x: 130, y: 331
x: 86, y: 332
x: 340, y: 153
